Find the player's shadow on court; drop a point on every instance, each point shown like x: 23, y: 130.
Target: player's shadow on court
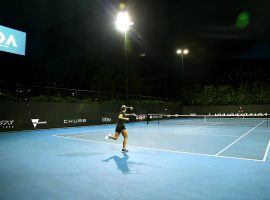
x: 124, y: 165
x: 121, y: 162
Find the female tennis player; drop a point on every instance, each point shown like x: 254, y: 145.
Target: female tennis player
x: 120, y: 127
x: 241, y: 110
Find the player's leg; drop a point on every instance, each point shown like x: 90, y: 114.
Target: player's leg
x: 116, y: 136
x: 118, y: 130
x: 125, y: 135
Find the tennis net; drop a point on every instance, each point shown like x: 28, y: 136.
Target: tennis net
x: 259, y: 120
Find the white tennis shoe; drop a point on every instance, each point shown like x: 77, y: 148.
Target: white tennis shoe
x: 108, y: 136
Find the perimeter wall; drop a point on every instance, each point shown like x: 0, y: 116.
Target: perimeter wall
x: 42, y: 115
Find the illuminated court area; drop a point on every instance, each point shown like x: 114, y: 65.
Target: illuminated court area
x: 165, y: 161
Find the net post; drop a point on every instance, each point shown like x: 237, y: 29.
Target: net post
x: 204, y: 118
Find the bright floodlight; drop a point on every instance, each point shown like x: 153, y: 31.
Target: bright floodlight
x: 123, y: 22
x: 178, y: 51
x: 185, y: 51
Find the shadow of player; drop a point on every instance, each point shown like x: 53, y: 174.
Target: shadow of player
x: 124, y: 165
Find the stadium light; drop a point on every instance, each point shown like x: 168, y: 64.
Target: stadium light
x: 178, y: 51
x: 185, y: 51
x: 182, y: 52
x: 123, y: 24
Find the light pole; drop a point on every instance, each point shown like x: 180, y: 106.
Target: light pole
x: 182, y: 52
x: 123, y: 23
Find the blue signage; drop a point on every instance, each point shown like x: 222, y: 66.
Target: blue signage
x: 12, y: 41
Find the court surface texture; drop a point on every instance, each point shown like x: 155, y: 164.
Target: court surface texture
x: 163, y: 162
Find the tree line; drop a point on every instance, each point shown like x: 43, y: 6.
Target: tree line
x: 243, y: 94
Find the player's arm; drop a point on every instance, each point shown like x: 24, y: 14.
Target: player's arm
x: 120, y: 116
x: 131, y: 114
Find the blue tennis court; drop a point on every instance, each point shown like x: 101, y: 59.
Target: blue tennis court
x: 165, y: 161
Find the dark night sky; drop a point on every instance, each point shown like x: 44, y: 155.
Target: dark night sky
x: 74, y: 44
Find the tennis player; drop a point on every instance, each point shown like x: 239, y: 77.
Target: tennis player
x: 120, y: 127
x: 241, y: 110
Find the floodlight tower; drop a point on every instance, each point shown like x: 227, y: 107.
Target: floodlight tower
x: 123, y: 24
x: 182, y: 52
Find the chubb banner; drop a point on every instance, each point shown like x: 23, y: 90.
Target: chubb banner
x: 12, y: 41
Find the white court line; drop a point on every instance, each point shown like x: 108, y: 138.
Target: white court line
x: 239, y: 138
x: 205, y: 134
x: 266, y: 152
x: 164, y: 150
x: 112, y: 130
x: 180, y: 133
x: 100, y: 131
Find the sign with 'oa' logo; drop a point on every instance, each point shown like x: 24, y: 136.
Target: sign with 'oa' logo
x: 12, y: 41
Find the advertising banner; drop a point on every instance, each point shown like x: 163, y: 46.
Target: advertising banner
x: 12, y: 41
